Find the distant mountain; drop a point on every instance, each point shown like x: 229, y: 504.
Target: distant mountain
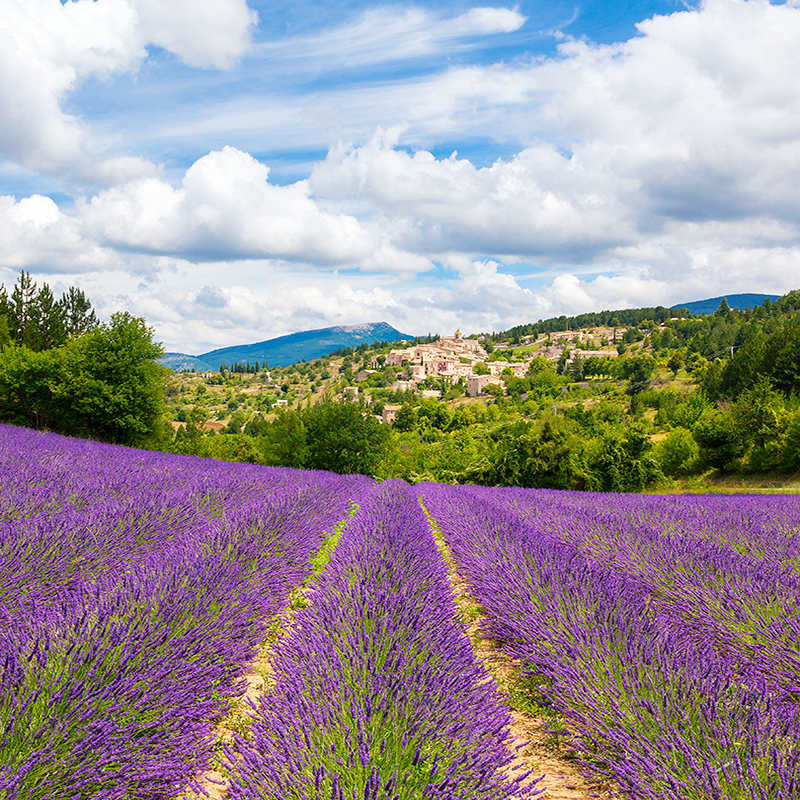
x: 734, y: 301
x: 285, y: 350
x: 180, y: 361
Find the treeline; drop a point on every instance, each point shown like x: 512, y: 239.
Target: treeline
x: 335, y: 436
x: 624, y: 318
x: 32, y: 317
x: 63, y: 371
x: 241, y: 368
x: 753, y: 347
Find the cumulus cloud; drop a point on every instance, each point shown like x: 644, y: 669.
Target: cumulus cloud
x: 684, y: 139
x: 539, y: 203
x: 34, y: 234
x: 225, y: 208
x: 702, y: 110
x: 48, y: 48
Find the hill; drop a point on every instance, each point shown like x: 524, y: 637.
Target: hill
x: 180, y: 362
x: 742, y: 301
x: 285, y: 350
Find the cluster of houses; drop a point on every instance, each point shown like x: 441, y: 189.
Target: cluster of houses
x: 449, y: 359
x: 452, y: 358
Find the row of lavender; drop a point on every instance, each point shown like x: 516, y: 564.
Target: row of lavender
x: 665, y: 631
x: 133, y: 588
x: 378, y: 692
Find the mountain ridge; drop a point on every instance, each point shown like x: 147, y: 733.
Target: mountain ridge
x: 740, y: 301
x: 289, y: 349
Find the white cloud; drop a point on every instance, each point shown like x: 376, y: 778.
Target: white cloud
x: 226, y: 208
x: 387, y: 34
x: 481, y: 276
x: 48, y: 48
x: 388, y: 258
x: 684, y: 138
x: 203, y: 33
x: 539, y: 203
x: 35, y: 235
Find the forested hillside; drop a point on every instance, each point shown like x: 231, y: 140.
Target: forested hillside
x: 622, y: 400
x: 682, y: 396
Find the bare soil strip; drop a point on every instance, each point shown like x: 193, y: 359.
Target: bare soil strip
x: 533, y: 747
x: 259, y: 676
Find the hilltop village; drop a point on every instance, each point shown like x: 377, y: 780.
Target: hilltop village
x: 452, y: 358
x: 469, y: 367
x: 455, y: 357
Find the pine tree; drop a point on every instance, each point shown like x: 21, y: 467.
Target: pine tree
x: 49, y: 316
x: 23, y: 313
x: 79, y: 317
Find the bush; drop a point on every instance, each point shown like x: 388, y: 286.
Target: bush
x: 718, y: 438
x: 678, y: 453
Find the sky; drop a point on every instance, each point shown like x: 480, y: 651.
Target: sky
x: 235, y: 170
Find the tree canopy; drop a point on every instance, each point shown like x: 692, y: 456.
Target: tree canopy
x: 62, y: 371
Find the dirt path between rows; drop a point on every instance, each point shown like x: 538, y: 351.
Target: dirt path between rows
x: 258, y: 677
x: 214, y: 783
x: 533, y: 747
x: 531, y: 744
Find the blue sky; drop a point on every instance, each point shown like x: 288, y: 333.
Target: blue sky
x: 236, y: 170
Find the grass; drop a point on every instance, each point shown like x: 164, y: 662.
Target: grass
x: 714, y: 481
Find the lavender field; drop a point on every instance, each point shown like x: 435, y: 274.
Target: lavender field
x: 664, y: 630
x: 662, y: 633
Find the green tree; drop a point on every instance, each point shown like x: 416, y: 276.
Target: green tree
x: 762, y: 419
x: 5, y: 331
x: 638, y: 370
x: 48, y: 318
x: 38, y: 321
x: 678, y: 452
x: 786, y: 366
x: 790, y: 456
x: 718, y: 438
x: 233, y: 447
x: 111, y: 386
x: 344, y: 438
x: 675, y: 361
x: 624, y: 463
x: 79, y: 318
x: 284, y: 442
x: 23, y: 314
x: 534, y: 457
x: 406, y: 419
x: 26, y: 386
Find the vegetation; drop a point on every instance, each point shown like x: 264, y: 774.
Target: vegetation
x: 62, y: 371
x: 688, y: 396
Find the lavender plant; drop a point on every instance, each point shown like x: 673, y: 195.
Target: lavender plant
x: 134, y: 587
x: 378, y: 693
x: 648, y: 697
